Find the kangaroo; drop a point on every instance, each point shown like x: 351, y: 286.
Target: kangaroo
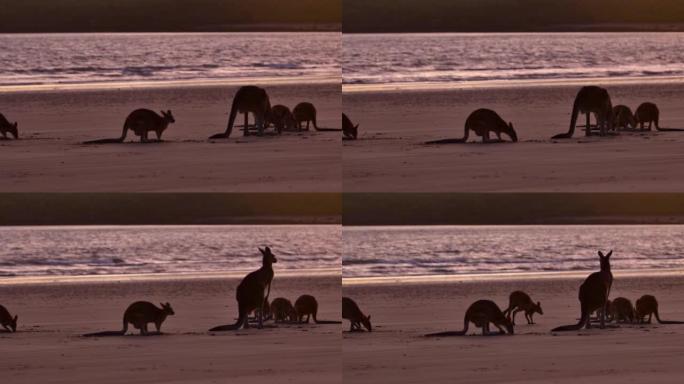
x: 7, y: 127
x: 140, y: 314
x: 352, y: 312
x: 306, y: 305
x: 306, y: 113
x: 647, y: 305
x: 623, y: 118
x: 649, y: 113
x: 593, y: 295
x: 349, y: 130
x: 282, y: 118
x: 483, y: 122
x: 7, y: 321
x: 283, y: 310
x: 248, y: 99
x: 621, y: 310
x: 142, y: 122
x: 250, y: 292
x: 521, y: 301
x: 481, y: 313
x: 590, y: 100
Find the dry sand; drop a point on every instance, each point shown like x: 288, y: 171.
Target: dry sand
x: 49, y: 158
x: 395, y: 352
x: 390, y: 156
x: 48, y: 349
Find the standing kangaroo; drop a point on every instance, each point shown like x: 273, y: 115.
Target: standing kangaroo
x: 306, y: 305
x: 349, y: 130
x: 140, y: 314
x: 282, y: 118
x: 7, y: 127
x: 590, y: 100
x: 621, y: 310
x: 248, y: 99
x: 623, y: 118
x: 481, y: 313
x: 352, y: 312
x: 647, y: 305
x: 483, y: 122
x: 283, y: 310
x: 306, y: 113
x: 141, y: 122
x: 252, y: 291
x: 7, y: 321
x: 521, y: 301
x: 593, y: 295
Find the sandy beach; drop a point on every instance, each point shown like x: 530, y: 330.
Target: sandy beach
x: 396, y: 352
x: 390, y: 156
x: 52, y: 124
x: 48, y: 347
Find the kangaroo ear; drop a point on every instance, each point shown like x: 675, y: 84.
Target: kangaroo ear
x: 609, y: 254
x: 162, y: 305
x: 261, y: 250
x: 538, y: 303
x: 267, y: 249
x: 601, y: 255
x: 16, y: 317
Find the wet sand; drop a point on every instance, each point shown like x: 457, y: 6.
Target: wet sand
x: 391, y: 157
x: 53, y: 123
x: 396, y: 352
x: 48, y: 347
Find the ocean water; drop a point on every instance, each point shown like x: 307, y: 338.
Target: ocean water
x: 454, y: 250
x: 46, y: 59
x: 105, y: 250
x: 461, y: 58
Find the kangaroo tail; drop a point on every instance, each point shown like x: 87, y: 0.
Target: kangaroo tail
x: 583, y: 321
x: 666, y: 321
x: 452, y: 333
x: 327, y: 129
x: 104, y: 141
x: 447, y: 141
x: 231, y: 327
x: 669, y: 129
x: 573, y: 123
x: 231, y: 121
x: 105, y: 333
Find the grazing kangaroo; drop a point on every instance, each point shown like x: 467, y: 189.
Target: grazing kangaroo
x: 306, y: 112
x: 140, y: 314
x: 352, y: 312
x: 647, y: 305
x: 623, y: 118
x: 521, y: 301
x: 283, y: 310
x: 306, y: 305
x: 481, y: 313
x: 590, y: 100
x: 593, y: 295
x: 7, y: 321
x: 483, y: 122
x: 7, y: 127
x: 248, y: 99
x: 621, y: 310
x: 141, y: 122
x: 282, y: 118
x: 649, y: 113
x: 349, y: 130
x: 252, y: 291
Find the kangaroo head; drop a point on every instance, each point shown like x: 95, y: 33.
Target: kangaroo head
x: 367, y: 323
x: 605, y: 260
x: 166, y: 308
x: 538, y: 308
x: 511, y: 132
x: 13, y: 323
x: 14, y: 130
x: 168, y: 116
x: 269, y: 257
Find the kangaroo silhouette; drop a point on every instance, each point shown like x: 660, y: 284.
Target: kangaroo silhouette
x: 649, y: 113
x: 252, y: 291
x: 521, y: 301
x: 621, y: 310
x: 647, y: 305
x: 623, y: 118
x: 142, y: 122
x: 481, y: 313
x: 590, y: 100
x: 248, y: 99
x: 306, y: 305
x: 593, y: 295
x: 139, y: 314
x: 349, y: 130
x: 283, y: 310
x: 282, y: 118
x: 352, y: 312
x: 483, y: 122
x: 7, y: 127
x: 7, y: 321
x: 306, y: 113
